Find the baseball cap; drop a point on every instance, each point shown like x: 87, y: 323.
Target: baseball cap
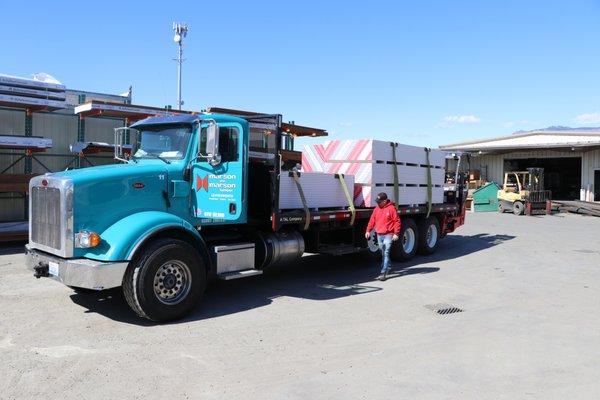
x: 381, y: 197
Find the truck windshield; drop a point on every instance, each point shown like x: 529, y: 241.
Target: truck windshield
x: 162, y: 141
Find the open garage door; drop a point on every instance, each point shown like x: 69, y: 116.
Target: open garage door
x: 562, y: 175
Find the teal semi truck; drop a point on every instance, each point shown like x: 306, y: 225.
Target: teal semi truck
x: 197, y: 200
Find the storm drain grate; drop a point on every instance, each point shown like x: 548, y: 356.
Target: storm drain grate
x: 444, y: 309
x: 451, y: 310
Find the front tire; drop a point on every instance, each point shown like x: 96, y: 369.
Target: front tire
x: 429, y: 235
x: 166, y: 281
x: 518, y: 208
x: 405, y: 247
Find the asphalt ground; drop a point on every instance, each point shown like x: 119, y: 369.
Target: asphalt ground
x: 528, y: 288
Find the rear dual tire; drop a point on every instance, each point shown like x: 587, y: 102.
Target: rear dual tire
x: 422, y: 238
x: 166, y: 281
x: 406, y: 246
x: 429, y: 235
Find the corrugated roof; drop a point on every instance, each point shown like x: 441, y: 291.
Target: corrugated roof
x: 532, y: 139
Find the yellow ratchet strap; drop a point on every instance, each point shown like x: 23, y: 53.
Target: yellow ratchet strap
x: 348, y: 198
x: 301, y: 192
x: 429, y: 194
x: 395, y: 173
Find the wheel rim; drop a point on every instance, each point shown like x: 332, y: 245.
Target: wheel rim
x: 372, y: 243
x: 172, y: 282
x: 432, y: 234
x: 408, y: 240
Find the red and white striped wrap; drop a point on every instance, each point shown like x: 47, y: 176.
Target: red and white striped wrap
x: 370, y: 163
x: 337, y: 156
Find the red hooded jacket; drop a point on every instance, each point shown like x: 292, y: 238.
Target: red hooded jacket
x: 385, y: 220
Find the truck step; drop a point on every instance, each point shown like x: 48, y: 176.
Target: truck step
x: 338, y: 250
x: 227, y: 276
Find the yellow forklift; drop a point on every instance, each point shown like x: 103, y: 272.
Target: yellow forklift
x: 523, y: 193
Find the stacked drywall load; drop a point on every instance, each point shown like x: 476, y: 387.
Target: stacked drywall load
x: 320, y: 190
x: 372, y: 162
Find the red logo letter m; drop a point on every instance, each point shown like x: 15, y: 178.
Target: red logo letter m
x: 202, y: 183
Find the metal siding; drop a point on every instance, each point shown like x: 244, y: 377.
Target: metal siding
x: 589, y: 163
x: 101, y: 130
x: 12, y: 206
x: 62, y: 129
x: 12, y: 122
x: 490, y: 166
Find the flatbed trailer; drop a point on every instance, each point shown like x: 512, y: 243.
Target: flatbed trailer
x: 337, y: 231
x: 197, y: 201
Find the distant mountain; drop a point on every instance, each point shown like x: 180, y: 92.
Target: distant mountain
x: 560, y: 128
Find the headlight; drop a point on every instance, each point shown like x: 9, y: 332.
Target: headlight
x: 85, y: 239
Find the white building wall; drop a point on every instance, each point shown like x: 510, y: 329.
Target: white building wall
x: 590, y: 163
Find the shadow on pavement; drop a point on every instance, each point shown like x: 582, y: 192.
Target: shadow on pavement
x: 7, y: 248
x: 314, y: 277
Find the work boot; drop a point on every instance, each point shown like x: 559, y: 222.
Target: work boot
x: 382, y: 277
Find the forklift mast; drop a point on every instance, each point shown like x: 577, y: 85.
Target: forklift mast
x: 535, y: 179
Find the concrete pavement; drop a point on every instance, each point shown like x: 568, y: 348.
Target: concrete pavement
x: 325, y: 329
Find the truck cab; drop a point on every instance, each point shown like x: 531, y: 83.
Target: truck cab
x: 169, y: 218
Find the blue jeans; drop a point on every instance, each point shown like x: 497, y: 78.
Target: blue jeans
x: 385, y: 244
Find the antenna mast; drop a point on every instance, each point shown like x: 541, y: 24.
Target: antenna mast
x: 180, y: 32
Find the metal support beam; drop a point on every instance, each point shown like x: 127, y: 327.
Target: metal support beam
x: 80, y: 135
x: 28, y: 132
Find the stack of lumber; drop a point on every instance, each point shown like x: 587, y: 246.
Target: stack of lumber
x: 34, y: 143
x: 578, y: 207
x: 372, y: 162
x: 31, y: 93
x: 321, y: 190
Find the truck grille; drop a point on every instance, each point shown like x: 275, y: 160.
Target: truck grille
x: 45, y: 216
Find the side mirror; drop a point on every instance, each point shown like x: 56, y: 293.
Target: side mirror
x: 121, y: 143
x: 212, y: 144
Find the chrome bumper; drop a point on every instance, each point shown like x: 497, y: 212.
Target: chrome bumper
x: 78, y: 272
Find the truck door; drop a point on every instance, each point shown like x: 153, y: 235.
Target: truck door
x: 218, y: 194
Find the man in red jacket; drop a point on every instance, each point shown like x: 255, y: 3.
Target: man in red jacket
x: 386, y: 222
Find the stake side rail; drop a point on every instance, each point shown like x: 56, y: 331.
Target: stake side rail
x: 294, y: 217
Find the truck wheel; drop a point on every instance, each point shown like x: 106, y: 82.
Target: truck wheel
x: 429, y: 235
x: 405, y: 248
x: 166, y: 281
x: 518, y: 208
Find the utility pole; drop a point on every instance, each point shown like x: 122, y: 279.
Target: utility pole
x: 180, y: 32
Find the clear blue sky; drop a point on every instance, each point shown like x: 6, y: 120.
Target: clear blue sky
x: 424, y: 73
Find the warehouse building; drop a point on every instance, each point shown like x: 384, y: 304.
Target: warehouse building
x: 31, y: 108
x: 570, y: 158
